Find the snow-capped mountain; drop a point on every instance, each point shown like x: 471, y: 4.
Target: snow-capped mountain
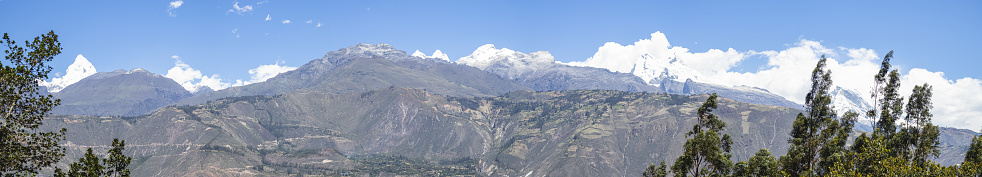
x: 539, y: 71
x: 849, y: 100
x: 653, y: 69
x: 79, y: 69
x: 845, y: 100
x: 517, y: 62
x: 437, y: 54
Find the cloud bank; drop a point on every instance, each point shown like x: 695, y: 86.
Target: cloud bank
x: 193, y: 80
x: 265, y: 72
x: 786, y: 73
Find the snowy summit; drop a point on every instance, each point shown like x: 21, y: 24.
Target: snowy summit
x: 80, y: 69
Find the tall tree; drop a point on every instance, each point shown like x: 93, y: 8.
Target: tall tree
x: 886, y: 98
x: 706, y: 153
x: 815, y: 130
x: 24, y: 150
x: 918, y: 139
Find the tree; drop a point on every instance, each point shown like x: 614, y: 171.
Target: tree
x: 706, y: 153
x: 88, y: 166
x: 653, y: 171
x: 761, y: 164
x: 886, y: 84
x: 972, y: 166
x: 918, y: 138
x: 24, y: 150
x: 819, y: 134
x: 834, y: 152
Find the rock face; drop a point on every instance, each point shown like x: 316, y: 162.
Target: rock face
x: 365, y: 67
x: 119, y: 93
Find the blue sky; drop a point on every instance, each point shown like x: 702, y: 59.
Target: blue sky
x: 935, y: 42
x: 939, y: 36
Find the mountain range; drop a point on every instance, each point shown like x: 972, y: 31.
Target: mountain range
x: 358, y: 109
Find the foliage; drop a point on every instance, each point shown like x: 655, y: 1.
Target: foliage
x: 88, y: 166
x: 706, y: 153
x: 761, y: 164
x: 655, y: 171
x: 972, y: 166
x: 23, y: 149
x: 819, y: 136
x: 918, y: 138
x: 376, y: 164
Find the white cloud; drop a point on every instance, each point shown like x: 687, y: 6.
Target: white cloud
x: 286, y: 21
x: 267, y: 17
x: 174, y: 5
x: 239, y: 10
x: 648, y: 58
x: 265, y: 72
x: 192, y: 79
x: 309, y: 21
x: 78, y: 70
x: 787, y: 72
x: 318, y: 25
x: 956, y: 102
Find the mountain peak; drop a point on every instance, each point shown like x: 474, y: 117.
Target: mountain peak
x: 486, y: 47
x: 362, y: 50
x: 79, y: 69
x: 437, y: 54
x: 654, y: 69
x: 369, y: 49
x: 487, y: 55
x: 373, y: 47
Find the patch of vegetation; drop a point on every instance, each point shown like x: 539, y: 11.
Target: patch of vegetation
x: 131, y: 119
x: 225, y: 148
x: 378, y: 164
x: 466, y: 102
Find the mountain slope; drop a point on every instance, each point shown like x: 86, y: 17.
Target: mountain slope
x: 365, y: 67
x: 387, y: 131
x: 564, y: 133
x: 119, y: 93
x: 738, y: 93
